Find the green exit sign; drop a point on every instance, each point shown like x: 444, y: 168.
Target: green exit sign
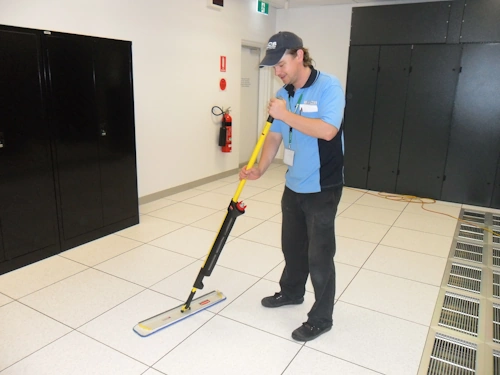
x: 262, y: 7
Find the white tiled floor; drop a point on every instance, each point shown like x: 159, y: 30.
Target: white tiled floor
x: 73, y: 313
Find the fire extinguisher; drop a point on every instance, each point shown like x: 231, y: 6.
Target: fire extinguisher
x: 227, y: 123
x: 226, y: 132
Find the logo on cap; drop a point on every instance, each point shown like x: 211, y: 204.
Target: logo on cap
x: 271, y: 45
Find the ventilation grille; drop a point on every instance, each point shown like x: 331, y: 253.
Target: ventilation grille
x: 471, y: 233
x: 496, y: 239
x: 476, y: 217
x: 460, y: 313
x: 496, y: 323
x: 496, y: 362
x: 496, y: 220
x: 496, y: 257
x: 496, y: 284
x: 464, y: 277
x: 452, y: 356
x: 467, y: 251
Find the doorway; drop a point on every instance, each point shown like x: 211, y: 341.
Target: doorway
x: 249, y: 105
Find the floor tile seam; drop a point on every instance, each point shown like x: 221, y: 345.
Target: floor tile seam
x: 182, y: 341
x: 388, y: 210
x: 215, y: 210
x: 54, y: 283
x: 422, y: 231
x: 237, y: 297
x: 257, y: 242
x: 365, y: 220
x: 45, y: 314
x: 299, y: 344
x: 246, y: 273
x: 175, y: 251
x: 350, y: 238
x: 293, y: 359
x: 113, y: 257
x: 340, y: 358
x: 382, y: 208
x: 402, y: 278
x: 411, y: 251
x: 112, y: 348
x: 172, y: 274
x: 386, y: 314
x: 37, y: 350
x: 350, y: 282
x: 157, y: 209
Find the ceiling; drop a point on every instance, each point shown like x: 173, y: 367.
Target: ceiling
x: 286, y: 4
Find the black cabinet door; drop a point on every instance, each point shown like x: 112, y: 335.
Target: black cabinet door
x: 480, y: 23
x: 28, y: 216
x: 114, y: 95
x: 390, y: 101
x: 74, y: 118
x: 475, y: 133
x: 429, y: 106
x: 358, y: 118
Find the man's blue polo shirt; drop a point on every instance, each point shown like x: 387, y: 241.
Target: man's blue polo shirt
x: 318, y: 164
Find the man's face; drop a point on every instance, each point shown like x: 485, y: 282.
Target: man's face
x: 288, y: 67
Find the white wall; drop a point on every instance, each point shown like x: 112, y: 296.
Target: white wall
x: 176, y: 48
x: 325, y: 31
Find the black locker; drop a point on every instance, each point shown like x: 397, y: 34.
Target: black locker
x: 392, y: 85
x: 358, y: 117
x: 475, y: 133
x: 28, y: 218
x: 74, y: 119
x: 429, y: 106
x: 114, y: 95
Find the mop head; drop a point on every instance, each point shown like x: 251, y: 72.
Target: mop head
x: 158, y: 322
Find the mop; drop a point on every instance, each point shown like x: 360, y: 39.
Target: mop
x: 193, y: 306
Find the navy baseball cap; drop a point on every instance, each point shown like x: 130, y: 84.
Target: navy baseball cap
x: 277, y: 46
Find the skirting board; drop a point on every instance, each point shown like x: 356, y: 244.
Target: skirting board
x: 191, y: 185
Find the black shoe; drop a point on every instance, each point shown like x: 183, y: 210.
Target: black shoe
x: 280, y: 300
x: 309, y: 332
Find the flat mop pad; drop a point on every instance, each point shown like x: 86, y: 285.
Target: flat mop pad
x: 165, y: 319
x: 193, y: 306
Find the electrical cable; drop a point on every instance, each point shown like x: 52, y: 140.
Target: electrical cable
x: 424, y: 201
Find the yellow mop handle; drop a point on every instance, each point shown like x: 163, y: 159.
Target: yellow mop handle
x: 255, y: 153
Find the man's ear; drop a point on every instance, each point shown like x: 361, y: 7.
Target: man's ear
x: 300, y: 55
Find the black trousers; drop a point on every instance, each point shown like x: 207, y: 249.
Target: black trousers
x: 308, y: 244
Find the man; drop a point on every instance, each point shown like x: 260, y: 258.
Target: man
x: 307, y: 116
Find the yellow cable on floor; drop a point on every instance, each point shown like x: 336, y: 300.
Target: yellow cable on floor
x: 424, y: 201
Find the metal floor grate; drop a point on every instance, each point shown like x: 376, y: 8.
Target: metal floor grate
x: 468, y: 251
x: 496, y: 220
x: 496, y: 362
x: 470, y: 232
x: 460, y: 313
x: 496, y: 284
x: 496, y: 239
x: 496, y: 257
x: 496, y: 323
x: 476, y: 217
x: 465, y: 277
x: 452, y: 356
